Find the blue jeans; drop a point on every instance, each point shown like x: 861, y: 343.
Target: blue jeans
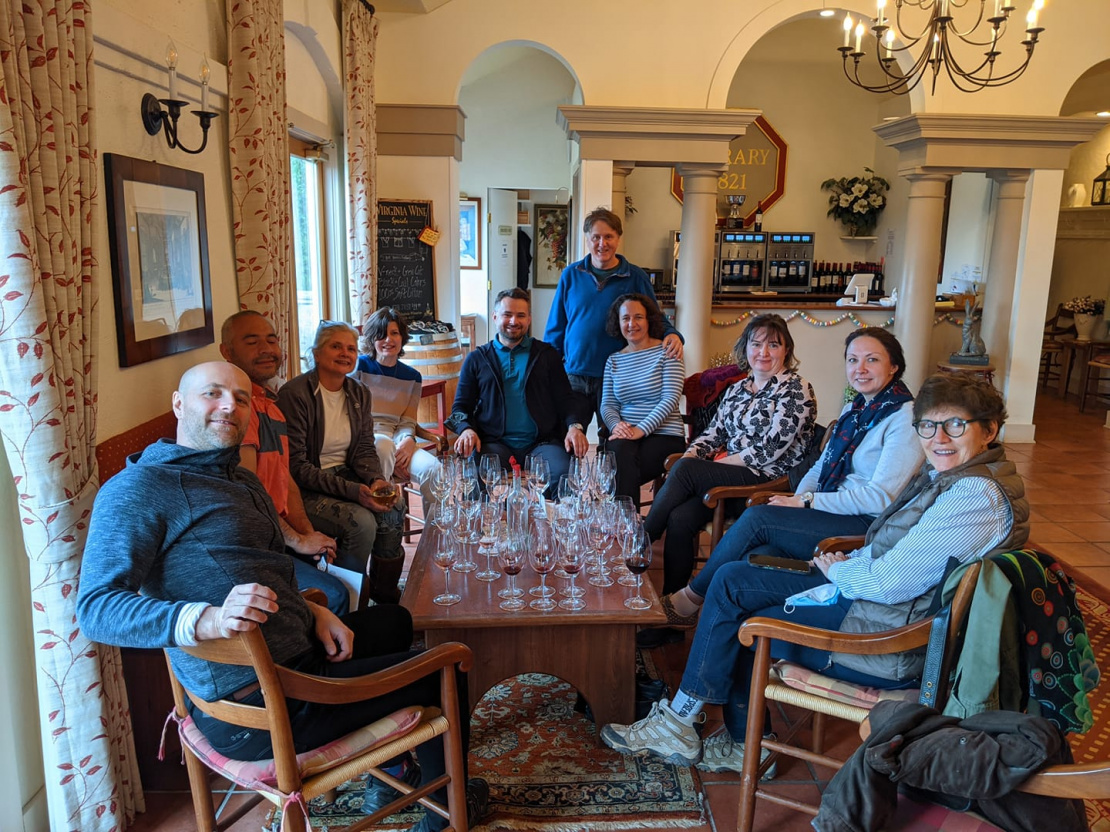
x: 777, y: 530
x: 719, y: 668
x: 558, y: 460
x: 359, y: 532
x: 679, y: 511
x: 339, y: 599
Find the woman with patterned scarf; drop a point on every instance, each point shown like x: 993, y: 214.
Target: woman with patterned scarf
x: 872, y: 454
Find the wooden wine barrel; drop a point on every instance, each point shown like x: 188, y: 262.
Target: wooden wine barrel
x: 436, y: 357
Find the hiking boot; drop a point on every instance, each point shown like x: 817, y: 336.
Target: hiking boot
x: 658, y: 636
x: 721, y: 753
x: 661, y: 733
x: 681, y: 622
x: 378, y: 793
x: 477, y: 806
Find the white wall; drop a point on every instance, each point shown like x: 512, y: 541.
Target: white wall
x: 970, y: 221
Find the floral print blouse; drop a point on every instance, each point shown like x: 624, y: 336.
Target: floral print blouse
x: 769, y: 429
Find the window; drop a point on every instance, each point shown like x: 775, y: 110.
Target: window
x: 309, y: 246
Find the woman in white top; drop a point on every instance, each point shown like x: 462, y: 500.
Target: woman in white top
x: 640, y: 393
x: 333, y: 459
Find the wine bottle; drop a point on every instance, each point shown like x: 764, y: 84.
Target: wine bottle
x: 759, y: 216
x: 517, y: 502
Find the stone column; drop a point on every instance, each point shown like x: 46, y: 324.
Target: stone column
x: 998, y: 298
x: 620, y: 191
x: 917, y: 288
x: 694, y: 292
x: 595, y: 187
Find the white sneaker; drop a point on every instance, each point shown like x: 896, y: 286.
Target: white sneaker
x: 660, y: 732
x: 721, y: 753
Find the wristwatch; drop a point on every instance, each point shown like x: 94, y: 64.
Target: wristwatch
x: 576, y: 425
x: 807, y: 499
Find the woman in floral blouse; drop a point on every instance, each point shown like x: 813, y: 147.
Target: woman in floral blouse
x: 762, y: 429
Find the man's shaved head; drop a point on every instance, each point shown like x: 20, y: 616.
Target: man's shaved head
x: 212, y: 405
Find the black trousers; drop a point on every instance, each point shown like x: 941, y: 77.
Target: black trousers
x: 382, y: 639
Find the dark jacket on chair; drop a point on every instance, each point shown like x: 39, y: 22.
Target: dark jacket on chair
x: 979, y: 760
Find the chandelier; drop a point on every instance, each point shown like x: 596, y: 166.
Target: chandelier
x: 932, y: 26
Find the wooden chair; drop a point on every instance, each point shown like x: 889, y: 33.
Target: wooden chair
x: 823, y: 696
x: 410, y: 489
x: 1056, y: 327
x: 290, y: 780
x: 1094, y: 368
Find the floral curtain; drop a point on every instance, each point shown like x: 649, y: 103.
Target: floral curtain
x: 258, y: 137
x: 360, y: 34
x: 49, y: 182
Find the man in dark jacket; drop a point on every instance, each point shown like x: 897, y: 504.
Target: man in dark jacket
x: 514, y: 397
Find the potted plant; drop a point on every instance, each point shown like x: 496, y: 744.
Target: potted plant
x: 1085, y: 312
x: 857, y: 201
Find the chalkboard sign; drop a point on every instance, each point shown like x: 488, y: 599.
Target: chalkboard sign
x: 406, y: 266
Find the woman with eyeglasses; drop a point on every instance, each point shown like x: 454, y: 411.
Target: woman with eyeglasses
x: 871, y: 455
x: 966, y: 502
x: 333, y: 458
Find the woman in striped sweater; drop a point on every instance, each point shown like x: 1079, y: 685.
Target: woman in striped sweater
x: 640, y: 394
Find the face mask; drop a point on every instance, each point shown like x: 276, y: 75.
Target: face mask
x: 820, y: 596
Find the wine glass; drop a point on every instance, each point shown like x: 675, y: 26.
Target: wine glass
x: 539, y: 475
x: 629, y: 530
x: 572, y: 558
x: 467, y: 476
x: 564, y: 492
x: 605, y: 474
x: 489, y: 467
x: 489, y: 515
x: 444, y: 555
x: 466, y: 509
x: 504, y: 542
x: 638, y: 560
x: 542, y: 556
x: 599, y: 525
x: 512, y: 561
x: 578, y: 475
x: 438, y: 480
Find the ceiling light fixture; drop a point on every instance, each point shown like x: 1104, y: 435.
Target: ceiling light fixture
x: 931, y: 26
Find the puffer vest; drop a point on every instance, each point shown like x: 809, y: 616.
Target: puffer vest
x: 893, y: 524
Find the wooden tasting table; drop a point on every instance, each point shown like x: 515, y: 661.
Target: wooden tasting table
x: 593, y: 649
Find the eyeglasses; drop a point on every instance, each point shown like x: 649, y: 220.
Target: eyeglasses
x: 955, y: 428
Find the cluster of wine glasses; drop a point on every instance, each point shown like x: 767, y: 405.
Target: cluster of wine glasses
x: 513, y: 524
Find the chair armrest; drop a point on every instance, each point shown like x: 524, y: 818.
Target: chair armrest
x: 887, y: 641
x: 332, y: 691
x: 848, y: 543
x: 760, y: 498
x: 736, y: 492
x: 670, y: 461
x: 315, y: 596
x: 426, y: 435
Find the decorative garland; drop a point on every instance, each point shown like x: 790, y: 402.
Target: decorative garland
x: 847, y: 316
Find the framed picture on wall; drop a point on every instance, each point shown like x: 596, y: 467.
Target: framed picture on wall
x: 158, y: 241
x: 550, y: 243
x: 470, y: 233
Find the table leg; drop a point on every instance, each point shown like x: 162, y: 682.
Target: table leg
x: 1066, y: 358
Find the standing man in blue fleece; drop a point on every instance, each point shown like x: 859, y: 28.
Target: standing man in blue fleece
x: 576, y: 323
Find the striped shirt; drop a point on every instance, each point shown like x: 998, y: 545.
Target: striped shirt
x: 643, y: 389
x: 965, y: 522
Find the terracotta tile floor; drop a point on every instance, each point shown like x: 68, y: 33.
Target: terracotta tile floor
x: 1067, y: 474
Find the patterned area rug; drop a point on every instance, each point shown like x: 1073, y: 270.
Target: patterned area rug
x: 548, y: 772
x: 1095, y: 744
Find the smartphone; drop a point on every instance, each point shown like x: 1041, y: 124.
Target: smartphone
x: 783, y: 564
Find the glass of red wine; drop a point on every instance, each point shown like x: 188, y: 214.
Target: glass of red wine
x: 543, y: 557
x: 638, y: 559
x: 512, y: 554
x: 572, y: 559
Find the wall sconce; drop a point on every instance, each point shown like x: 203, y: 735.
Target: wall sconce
x: 156, y: 119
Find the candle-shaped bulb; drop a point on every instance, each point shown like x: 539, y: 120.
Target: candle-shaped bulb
x: 847, y: 27
x: 205, y: 76
x: 171, y: 62
x: 859, y: 35
x: 889, y: 38
x: 881, y: 4
x: 936, y: 47
x: 1031, y: 18
x: 1038, y: 4
x: 997, y: 8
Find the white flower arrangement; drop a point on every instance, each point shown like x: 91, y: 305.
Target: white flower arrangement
x: 1086, y: 305
x: 857, y: 201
